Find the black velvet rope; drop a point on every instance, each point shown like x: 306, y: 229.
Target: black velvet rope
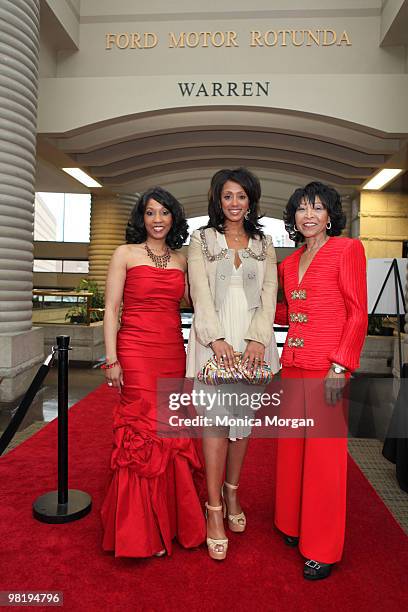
x: 25, y: 404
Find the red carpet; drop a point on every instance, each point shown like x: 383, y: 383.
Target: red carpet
x: 260, y: 571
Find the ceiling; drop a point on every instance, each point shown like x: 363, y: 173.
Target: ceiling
x: 181, y: 149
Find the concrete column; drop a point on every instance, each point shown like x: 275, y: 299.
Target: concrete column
x: 383, y: 227
x: 109, y: 217
x: 383, y: 223
x: 21, y: 347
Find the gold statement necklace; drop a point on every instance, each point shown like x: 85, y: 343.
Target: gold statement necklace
x: 160, y: 261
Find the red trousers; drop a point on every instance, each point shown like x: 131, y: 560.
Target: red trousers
x: 311, y: 480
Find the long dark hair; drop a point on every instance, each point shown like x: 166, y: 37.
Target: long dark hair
x: 136, y: 230
x: 252, y: 187
x: 330, y: 199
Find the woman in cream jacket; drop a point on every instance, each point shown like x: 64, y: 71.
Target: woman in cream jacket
x: 233, y: 285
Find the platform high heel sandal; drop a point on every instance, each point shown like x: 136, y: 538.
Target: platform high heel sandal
x: 314, y: 570
x: 236, y: 522
x: 161, y: 553
x: 217, y: 549
x: 290, y: 540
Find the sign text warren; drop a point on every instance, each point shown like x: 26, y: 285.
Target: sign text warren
x: 227, y: 89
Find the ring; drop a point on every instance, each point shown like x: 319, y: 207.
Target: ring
x: 223, y: 356
x: 109, y: 384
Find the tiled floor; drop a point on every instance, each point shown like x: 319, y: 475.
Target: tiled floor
x: 366, y: 452
x: 45, y: 406
x: 381, y: 474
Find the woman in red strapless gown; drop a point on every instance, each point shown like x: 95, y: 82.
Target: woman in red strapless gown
x: 151, y: 497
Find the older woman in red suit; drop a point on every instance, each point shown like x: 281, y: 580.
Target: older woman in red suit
x: 325, y: 305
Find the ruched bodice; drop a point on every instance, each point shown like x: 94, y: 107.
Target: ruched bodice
x: 153, y: 289
x: 151, y: 304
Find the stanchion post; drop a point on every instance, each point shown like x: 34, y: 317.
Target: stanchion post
x: 63, y: 505
x: 62, y: 349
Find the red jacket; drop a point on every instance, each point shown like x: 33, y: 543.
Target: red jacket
x: 327, y: 311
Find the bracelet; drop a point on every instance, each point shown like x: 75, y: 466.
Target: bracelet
x: 216, y: 340
x: 108, y: 366
x: 337, y: 368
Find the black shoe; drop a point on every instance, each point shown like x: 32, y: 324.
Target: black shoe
x: 314, y: 570
x: 291, y: 540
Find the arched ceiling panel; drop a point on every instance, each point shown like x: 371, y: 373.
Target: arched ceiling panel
x: 181, y: 149
x: 124, y: 129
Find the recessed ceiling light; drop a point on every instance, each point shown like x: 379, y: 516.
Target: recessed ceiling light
x: 82, y: 177
x: 382, y: 178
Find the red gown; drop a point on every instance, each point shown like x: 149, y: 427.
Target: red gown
x: 151, y: 497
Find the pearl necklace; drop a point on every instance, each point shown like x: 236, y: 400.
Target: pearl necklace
x: 160, y: 261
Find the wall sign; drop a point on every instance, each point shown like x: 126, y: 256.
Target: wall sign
x: 244, y: 89
x: 230, y: 38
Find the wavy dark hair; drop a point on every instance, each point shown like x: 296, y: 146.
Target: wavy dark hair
x: 136, y: 230
x: 330, y: 199
x: 252, y: 187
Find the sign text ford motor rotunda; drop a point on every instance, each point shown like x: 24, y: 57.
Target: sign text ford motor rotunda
x: 254, y: 38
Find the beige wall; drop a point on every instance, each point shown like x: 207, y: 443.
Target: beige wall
x: 67, y: 13
x: 375, y: 101
x: 48, y: 57
x: 363, y: 56
x: 383, y: 223
x: 361, y: 83
x: 394, y: 22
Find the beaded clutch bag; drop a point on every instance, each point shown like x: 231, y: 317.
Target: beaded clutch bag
x: 213, y: 373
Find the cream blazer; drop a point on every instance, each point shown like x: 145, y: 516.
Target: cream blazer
x: 210, y: 265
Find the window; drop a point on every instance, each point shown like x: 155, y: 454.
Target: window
x: 61, y: 265
x: 276, y: 229
x: 195, y: 223
x: 47, y: 265
x: 62, y: 217
x: 75, y: 267
x: 273, y: 227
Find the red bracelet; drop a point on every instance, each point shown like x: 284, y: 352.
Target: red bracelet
x: 108, y: 366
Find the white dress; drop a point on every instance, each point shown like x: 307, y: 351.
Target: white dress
x: 234, y: 314
x: 235, y: 318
